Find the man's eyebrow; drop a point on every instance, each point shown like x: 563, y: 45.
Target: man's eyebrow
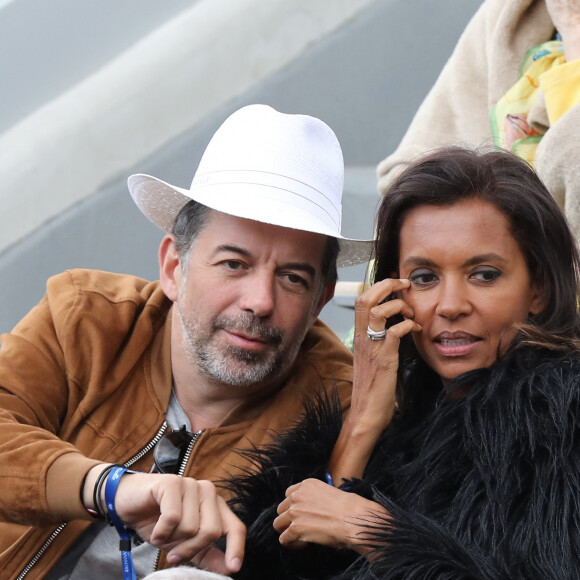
x: 232, y: 248
x: 427, y: 263
x: 302, y: 266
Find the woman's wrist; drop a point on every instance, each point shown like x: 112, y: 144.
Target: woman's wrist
x: 363, y: 432
x: 367, y: 512
x: 350, y: 454
x: 367, y: 426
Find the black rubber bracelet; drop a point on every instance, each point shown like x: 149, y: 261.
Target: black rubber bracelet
x: 92, y: 512
x: 98, y: 488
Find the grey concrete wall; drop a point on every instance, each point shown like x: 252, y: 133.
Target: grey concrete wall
x: 365, y: 80
x: 49, y: 45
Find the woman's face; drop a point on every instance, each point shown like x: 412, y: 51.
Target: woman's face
x: 469, y: 284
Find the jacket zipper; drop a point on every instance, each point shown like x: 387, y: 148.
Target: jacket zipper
x: 41, y: 551
x: 180, y: 472
x: 60, y: 528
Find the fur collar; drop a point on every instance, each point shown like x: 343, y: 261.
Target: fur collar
x: 487, y: 486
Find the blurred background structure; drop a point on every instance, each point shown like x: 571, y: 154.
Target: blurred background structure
x: 94, y: 90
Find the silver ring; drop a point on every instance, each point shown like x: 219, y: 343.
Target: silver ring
x: 376, y: 334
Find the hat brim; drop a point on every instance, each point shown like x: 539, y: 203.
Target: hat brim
x: 160, y: 202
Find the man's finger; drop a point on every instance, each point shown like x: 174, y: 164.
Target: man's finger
x: 200, y: 501
x: 235, y: 532
x: 169, y: 492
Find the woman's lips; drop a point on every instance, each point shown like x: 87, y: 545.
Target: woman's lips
x: 456, y: 343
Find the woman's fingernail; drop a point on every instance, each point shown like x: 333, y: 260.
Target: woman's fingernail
x: 173, y: 559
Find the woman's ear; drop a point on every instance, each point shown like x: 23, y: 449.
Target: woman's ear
x: 539, y: 301
x: 170, y: 273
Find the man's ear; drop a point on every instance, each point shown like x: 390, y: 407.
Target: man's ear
x: 325, y: 297
x: 170, y: 273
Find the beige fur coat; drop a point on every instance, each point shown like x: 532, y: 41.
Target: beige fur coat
x: 484, y: 65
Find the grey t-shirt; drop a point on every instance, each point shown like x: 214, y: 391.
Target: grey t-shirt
x: 95, y: 554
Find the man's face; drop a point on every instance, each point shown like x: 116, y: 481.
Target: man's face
x: 250, y: 294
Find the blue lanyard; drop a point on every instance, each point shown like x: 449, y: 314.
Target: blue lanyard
x: 125, y: 533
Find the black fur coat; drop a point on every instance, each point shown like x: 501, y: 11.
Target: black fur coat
x: 483, y: 487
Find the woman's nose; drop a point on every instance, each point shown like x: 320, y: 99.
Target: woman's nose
x: 453, y: 300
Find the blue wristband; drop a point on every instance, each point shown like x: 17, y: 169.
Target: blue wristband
x: 330, y: 481
x: 125, y: 534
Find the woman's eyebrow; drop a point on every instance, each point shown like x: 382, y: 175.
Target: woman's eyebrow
x: 418, y: 261
x: 427, y: 263
x: 489, y: 257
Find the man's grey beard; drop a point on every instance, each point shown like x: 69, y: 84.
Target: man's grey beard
x: 233, y: 365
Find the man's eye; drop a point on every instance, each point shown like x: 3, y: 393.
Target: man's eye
x: 232, y: 264
x: 295, y: 279
x: 422, y: 278
x: 490, y: 275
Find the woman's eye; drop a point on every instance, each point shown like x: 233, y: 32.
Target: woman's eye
x: 422, y: 278
x: 486, y: 275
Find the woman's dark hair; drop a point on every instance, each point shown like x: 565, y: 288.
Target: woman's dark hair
x: 451, y: 175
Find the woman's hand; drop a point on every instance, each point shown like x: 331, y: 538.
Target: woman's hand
x: 316, y: 512
x: 565, y: 15
x: 376, y: 363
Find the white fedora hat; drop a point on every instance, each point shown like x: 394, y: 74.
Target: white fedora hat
x: 284, y: 170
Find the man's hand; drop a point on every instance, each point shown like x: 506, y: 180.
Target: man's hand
x: 180, y: 515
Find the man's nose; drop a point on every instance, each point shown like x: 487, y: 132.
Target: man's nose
x: 453, y: 300
x: 258, y: 294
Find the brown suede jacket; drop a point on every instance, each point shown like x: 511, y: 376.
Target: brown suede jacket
x: 87, y: 375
